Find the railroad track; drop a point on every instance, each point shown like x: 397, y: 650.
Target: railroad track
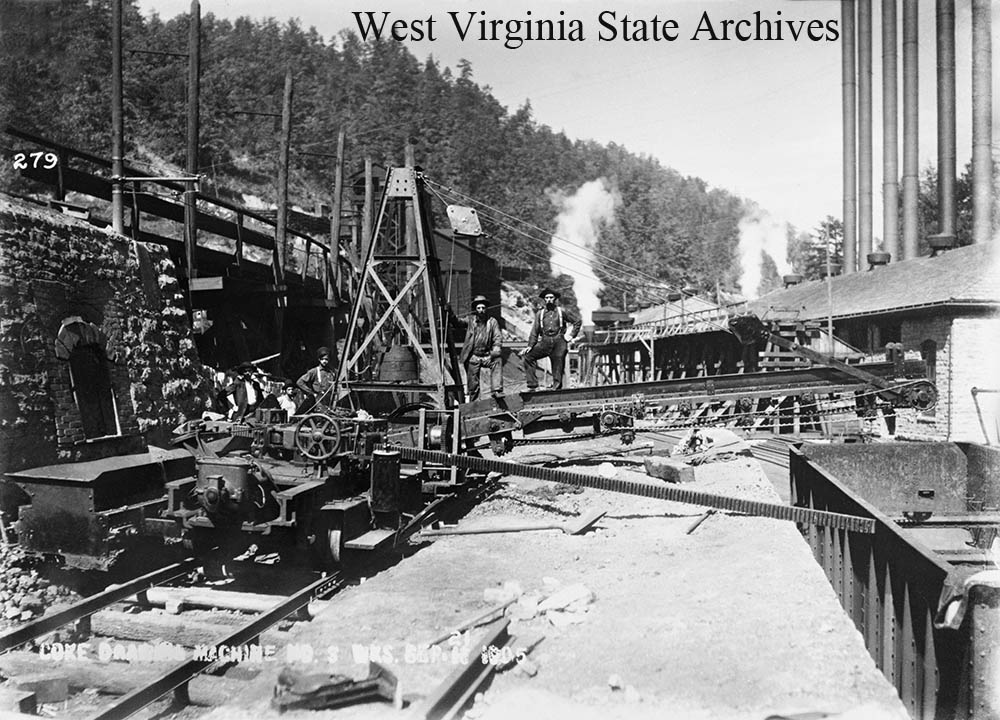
x: 228, y: 645
x: 78, y: 613
x: 774, y: 451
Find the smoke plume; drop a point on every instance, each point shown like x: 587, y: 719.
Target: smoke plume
x: 760, y: 234
x: 581, y: 216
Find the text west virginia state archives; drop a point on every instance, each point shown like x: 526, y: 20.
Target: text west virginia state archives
x: 609, y: 26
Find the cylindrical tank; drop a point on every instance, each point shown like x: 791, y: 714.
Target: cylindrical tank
x: 223, y: 485
x: 385, y: 481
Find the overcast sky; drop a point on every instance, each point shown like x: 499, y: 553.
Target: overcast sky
x: 759, y: 118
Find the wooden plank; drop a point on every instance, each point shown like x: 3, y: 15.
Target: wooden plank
x: 201, y: 284
x: 100, y: 188
x: 371, y: 540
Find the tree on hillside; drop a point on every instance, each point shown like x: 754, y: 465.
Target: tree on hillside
x: 769, y: 277
x: 669, y: 230
x: 810, y: 254
x: 927, y: 207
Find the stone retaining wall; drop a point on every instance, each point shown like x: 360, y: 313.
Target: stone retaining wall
x: 66, y: 286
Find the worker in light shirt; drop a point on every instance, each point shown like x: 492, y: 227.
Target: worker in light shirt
x: 244, y: 393
x: 550, y: 334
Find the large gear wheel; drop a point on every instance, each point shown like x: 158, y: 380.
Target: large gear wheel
x: 317, y: 436
x: 921, y: 396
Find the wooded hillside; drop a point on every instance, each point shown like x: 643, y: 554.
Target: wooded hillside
x: 57, y: 59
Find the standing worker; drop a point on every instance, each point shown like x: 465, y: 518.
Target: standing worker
x: 317, y: 380
x: 552, y: 330
x: 481, y: 349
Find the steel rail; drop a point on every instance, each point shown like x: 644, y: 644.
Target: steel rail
x: 644, y: 489
x: 448, y: 699
x: 92, y: 604
x: 711, y: 386
x: 488, y: 416
x: 177, y: 678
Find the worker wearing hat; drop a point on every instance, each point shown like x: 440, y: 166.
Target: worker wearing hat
x: 244, y: 392
x: 316, y: 381
x: 481, y: 349
x: 552, y: 330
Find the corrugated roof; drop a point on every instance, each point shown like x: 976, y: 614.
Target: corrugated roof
x: 964, y: 276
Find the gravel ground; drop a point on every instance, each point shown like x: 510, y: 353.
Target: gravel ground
x: 734, y: 620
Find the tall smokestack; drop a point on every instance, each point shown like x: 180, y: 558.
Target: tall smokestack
x: 982, y: 121
x: 864, y: 128
x: 849, y: 95
x: 911, y: 184
x: 946, y: 116
x: 890, y: 134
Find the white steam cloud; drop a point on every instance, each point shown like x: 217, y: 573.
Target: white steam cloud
x: 760, y: 234
x: 577, y: 228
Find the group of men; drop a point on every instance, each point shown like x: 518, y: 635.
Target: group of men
x: 551, y: 331
x: 245, y: 393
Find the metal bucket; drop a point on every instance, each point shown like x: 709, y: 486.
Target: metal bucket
x: 399, y: 365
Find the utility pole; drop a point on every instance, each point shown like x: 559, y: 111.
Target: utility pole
x: 333, y: 258
x: 280, y: 232
x: 190, y: 193
x: 117, y: 123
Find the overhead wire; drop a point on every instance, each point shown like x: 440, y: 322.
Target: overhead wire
x: 594, y: 253
x: 618, y: 278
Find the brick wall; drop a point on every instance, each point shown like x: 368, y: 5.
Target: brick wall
x: 53, y: 267
x: 914, y: 333
x: 975, y: 363
x: 968, y: 349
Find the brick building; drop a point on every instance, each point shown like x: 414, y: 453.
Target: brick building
x: 96, y: 353
x: 945, y: 309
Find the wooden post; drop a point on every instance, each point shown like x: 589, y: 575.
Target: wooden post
x: 280, y: 247
x: 117, y: 122
x: 366, y: 211
x: 333, y: 257
x: 418, y: 313
x: 190, y: 194
x: 336, y: 210
x: 280, y: 231
x: 238, y: 260
x: 409, y: 155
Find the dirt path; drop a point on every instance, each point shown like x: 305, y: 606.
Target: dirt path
x: 735, y: 620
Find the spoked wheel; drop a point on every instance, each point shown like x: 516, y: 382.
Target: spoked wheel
x: 317, y: 436
x: 328, y: 541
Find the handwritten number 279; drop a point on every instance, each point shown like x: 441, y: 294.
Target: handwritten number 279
x: 47, y: 160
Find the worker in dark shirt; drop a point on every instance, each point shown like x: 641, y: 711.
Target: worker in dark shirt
x: 481, y: 349
x: 244, y: 393
x: 552, y: 330
x: 316, y: 381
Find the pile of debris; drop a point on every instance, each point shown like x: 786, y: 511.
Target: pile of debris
x: 24, y: 594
